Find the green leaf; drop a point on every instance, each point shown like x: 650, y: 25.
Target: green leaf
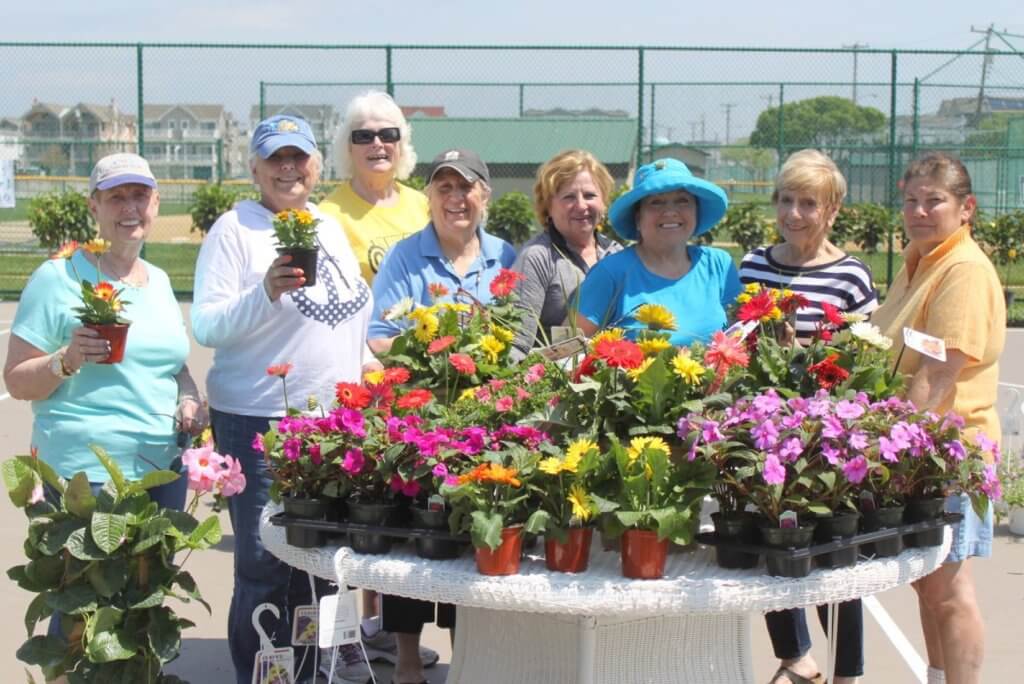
x: 164, y: 634
x: 116, y: 476
x: 108, y: 530
x: 151, y: 532
x: 182, y: 524
x: 820, y: 510
x: 76, y: 599
x: 78, y: 497
x: 19, y: 480
x: 81, y: 545
x: 537, y: 522
x: 188, y: 584
x: 46, y: 571
x: 44, y: 470
x: 157, y: 478
x: 36, y: 611
x: 108, y: 577
x: 42, y: 651
x: 104, y: 619
x: 208, y: 533
x: 107, y: 647
x: 486, y: 530
x: 153, y: 600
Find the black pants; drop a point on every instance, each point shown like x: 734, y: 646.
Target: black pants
x: 407, y: 616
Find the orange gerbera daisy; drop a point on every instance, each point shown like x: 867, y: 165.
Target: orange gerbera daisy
x: 104, y: 291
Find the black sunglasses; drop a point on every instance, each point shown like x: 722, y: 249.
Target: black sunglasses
x: 364, y: 136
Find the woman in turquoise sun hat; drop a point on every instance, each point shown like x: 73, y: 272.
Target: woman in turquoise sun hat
x: 667, y: 206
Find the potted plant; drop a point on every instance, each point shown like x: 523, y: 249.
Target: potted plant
x: 102, y: 561
x: 102, y: 304
x: 490, y: 500
x: 295, y: 230
x: 1011, y: 476
x: 655, y: 499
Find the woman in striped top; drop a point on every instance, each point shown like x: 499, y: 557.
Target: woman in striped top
x: 809, y: 191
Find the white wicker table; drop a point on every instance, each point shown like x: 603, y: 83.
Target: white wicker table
x: 597, y: 627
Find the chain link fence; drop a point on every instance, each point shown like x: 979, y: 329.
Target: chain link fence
x: 732, y: 114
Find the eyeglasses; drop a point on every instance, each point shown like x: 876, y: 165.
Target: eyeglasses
x: 364, y: 136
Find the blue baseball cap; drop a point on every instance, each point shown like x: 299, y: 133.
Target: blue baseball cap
x: 280, y: 131
x: 666, y: 175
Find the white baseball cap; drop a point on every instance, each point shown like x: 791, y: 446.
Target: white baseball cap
x: 118, y: 169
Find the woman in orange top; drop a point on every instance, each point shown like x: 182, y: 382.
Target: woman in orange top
x: 949, y: 289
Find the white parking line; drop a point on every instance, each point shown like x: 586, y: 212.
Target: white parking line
x: 899, y: 640
x: 5, y: 395
x: 5, y: 331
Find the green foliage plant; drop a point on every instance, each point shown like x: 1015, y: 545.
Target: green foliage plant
x: 208, y: 203
x: 866, y: 224
x: 59, y: 218
x: 510, y: 217
x: 747, y: 225
x: 1002, y: 238
x: 107, y: 563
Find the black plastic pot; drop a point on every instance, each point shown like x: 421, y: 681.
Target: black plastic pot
x: 881, y: 519
x: 921, y: 510
x: 738, y: 527
x: 337, y: 511
x: 836, y: 528
x: 433, y: 547
x: 302, y: 258
x: 310, y: 509
x: 790, y: 538
x: 380, y: 514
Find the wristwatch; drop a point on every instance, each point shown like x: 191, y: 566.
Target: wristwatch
x: 58, y: 367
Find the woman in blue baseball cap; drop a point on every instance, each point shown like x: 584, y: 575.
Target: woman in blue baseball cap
x: 667, y: 206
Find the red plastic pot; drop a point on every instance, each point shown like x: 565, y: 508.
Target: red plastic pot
x: 573, y: 554
x: 114, y: 333
x: 504, y: 560
x: 643, y: 556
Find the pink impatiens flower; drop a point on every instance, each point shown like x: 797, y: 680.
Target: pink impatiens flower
x: 774, y: 472
x: 353, y: 462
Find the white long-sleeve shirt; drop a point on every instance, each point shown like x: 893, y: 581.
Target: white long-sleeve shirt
x: 321, y: 329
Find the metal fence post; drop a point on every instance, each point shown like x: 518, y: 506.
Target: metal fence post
x: 650, y: 136
x: 141, y: 117
x: 892, y: 166
x: 263, y: 100
x: 220, y: 160
x: 916, y: 118
x: 387, y: 75
x: 639, y: 105
x: 782, y: 125
x: 522, y: 94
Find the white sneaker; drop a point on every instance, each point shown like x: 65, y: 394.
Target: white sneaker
x: 383, y: 647
x: 350, y: 667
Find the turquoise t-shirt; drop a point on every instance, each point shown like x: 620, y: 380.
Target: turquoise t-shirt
x: 128, y: 407
x: 620, y: 283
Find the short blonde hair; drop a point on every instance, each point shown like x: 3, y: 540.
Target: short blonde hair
x: 374, y: 104
x: 811, y: 171
x: 563, y: 168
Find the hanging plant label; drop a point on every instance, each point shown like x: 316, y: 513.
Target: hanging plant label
x: 304, y: 626
x: 276, y: 666
x: 339, y: 620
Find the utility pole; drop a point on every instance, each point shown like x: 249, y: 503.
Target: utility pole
x: 703, y: 125
x: 985, y: 64
x: 728, y: 119
x: 770, y: 97
x: 693, y: 130
x: 855, y: 47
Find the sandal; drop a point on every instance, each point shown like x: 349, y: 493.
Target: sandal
x: 795, y: 678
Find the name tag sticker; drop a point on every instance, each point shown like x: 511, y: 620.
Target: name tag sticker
x: 926, y: 344
x: 339, y: 620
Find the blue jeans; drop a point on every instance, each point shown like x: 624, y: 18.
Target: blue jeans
x: 259, y: 576
x: 171, y: 495
x: 790, y: 639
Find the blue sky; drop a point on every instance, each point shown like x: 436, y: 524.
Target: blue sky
x: 797, y: 23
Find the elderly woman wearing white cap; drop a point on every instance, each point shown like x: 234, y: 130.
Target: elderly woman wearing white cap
x: 667, y: 206
x: 252, y: 306
x: 54, y: 361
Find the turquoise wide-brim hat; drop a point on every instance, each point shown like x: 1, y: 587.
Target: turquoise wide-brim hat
x: 666, y: 175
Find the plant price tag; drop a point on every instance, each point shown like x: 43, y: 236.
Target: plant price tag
x: 788, y: 519
x: 741, y: 329
x: 274, y: 667
x: 926, y: 344
x: 339, y: 620
x: 563, y: 349
x: 304, y: 626
x: 435, y: 503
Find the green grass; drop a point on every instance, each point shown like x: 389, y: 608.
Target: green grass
x: 19, y: 212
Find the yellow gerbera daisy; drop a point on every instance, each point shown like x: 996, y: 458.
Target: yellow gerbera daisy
x: 609, y: 334
x: 653, y: 346
x: 426, y: 328
x: 374, y: 377
x: 752, y: 288
x: 648, y: 471
x: 775, y: 314
x: 96, y: 246
x: 579, y: 448
x: 656, y: 317
x: 582, y: 504
x: 491, y: 346
x: 503, y: 334
x: 635, y: 373
x: 743, y: 298
x: 457, y: 307
x: 638, y: 444
x: 687, y: 368
x: 552, y: 465
x: 467, y: 393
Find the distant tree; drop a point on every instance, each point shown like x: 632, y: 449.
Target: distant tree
x: 991, y: 131
x: 816, y: 122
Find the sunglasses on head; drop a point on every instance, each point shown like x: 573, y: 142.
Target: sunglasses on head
x: 364, y: 136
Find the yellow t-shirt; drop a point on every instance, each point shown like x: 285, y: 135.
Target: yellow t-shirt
x: 372, y: 230
x: 953, y: 293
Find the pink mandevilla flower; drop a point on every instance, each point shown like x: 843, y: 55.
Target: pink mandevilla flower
x: 232, y: 479
x: 204, y: 467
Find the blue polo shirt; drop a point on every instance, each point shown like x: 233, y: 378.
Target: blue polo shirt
x: 417, y: 262
x: 620, y: 283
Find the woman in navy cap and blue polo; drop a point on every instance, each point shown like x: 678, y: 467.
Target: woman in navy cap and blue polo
x: 255, y: 309
x: 667, y: 207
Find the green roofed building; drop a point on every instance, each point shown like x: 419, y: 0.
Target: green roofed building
x: 514, y: 148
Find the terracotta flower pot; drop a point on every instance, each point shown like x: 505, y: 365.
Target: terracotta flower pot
x: 114, y: 333
x: 503, y: 560
x: 573, y: 554
x: 302, y: 258
x: 643, y: 556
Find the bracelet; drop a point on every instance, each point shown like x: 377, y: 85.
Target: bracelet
x: 189, y: 397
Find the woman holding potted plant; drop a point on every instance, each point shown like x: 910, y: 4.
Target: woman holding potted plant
x: 809, y: 192
x: 949, y: 290
x: 255, y: 308
x: 54, y: 356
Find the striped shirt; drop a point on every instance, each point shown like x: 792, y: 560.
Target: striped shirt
x: 844, y: 283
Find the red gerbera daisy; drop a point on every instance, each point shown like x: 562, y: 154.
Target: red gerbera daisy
x: 440, y: 344
x: 437, y: 290
x: 279, y: 369
x: 414, y: 399
x: 759, y: 307
x: 619, y: 353
x: 353, y: 396
x: 828, y: 373
x: 396, y: 375
x: 587, y: 367
x: 832, y: 314
x: 463, y: 363
x: 793, y: 302
x: 505, y: 282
